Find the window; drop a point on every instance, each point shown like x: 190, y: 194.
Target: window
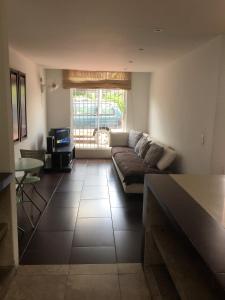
x: 96, y: 112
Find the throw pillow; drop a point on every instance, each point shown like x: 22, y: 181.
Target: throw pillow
x: 134, y: 137
x: 139, y: 143
x: 142, y: 147
x: 153, y: 155
x: 166, y: 160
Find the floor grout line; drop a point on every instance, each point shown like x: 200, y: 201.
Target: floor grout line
x: 106, y: 170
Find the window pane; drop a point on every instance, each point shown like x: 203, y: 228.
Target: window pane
x: 96, y: 112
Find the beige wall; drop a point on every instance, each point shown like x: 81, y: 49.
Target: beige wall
x: 36, y: 102
x: 183, y: 105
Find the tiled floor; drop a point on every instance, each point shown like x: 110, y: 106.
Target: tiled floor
x: 79, y: 282
x: 89, y: 219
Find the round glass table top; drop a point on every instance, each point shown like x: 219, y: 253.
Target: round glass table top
x: 27, y: 164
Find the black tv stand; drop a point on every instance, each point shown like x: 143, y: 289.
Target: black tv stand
x: 61, y: 159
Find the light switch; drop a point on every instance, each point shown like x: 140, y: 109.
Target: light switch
x: 202, y: 139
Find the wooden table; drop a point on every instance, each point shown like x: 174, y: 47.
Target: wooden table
x: 184, y: 219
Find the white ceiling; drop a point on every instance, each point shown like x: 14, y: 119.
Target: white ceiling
x: 106, y: 34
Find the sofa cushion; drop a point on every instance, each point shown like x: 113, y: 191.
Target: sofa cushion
x: 166, y: 160
x: 153, y: 155
x: 134, y: 137
x: 119, y: 139
x: 116, y: 150
x: 133, y: 168
x: 142, y: 147
x: 139, y: 144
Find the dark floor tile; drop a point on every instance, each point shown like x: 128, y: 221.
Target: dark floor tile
x: 58, y: 219
x: 31, y: 194
x: 76, y: 175
x: 66, y: 199
x: 49, y: 180
x: 127, y: 218
x: 31, y: 211
x: 92, y: 255
x: 94, y: 209
x: 96, y: 171
x: 129, y: 246
x: 49, y: 248
x: 93, y: 180
x: 71, y: 186
x: 120, y: 199
x: 115, y: 186
x: 55, y: 240
x: 94, y: 192
x: 112, y: 174
x: 93, y: 232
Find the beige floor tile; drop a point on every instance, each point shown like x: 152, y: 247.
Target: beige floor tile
x: 133, y: 287
x: 129, y: 268
x: 93, y: 287
x: 90, y: 269
x: 37, y: 287
x: 43, y: 270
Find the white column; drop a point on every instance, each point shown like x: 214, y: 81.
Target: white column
x: 9, y: 246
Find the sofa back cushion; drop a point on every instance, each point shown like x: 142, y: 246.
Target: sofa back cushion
x: 119, y: 139
x: 153, y: 155
x: 166, y: 160
x: 134, y: 137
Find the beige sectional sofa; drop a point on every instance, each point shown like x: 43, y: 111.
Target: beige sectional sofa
x: 130, y: 167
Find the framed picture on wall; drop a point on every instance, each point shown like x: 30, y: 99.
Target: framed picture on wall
x: 19, y: 109
x: 15, y: 104
x: 23, y: 106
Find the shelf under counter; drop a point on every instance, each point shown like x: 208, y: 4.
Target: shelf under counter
x: 183, y: 239
x: 3, y: 230
x: 5, y: 180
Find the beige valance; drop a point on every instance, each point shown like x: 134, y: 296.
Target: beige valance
x: 96, y: 79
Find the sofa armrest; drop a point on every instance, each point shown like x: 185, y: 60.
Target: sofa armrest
x: 119, y: 139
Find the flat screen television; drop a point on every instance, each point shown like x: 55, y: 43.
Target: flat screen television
x: 61, y: 136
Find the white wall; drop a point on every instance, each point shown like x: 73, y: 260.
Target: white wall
x: 138, y: 101
x: 36, y: 102
x: 8, y: 213
x: 218, y: 149
x: 58, y: 101
x: 183, y: 104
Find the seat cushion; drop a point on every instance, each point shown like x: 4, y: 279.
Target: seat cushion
x: 116, y: 150
x: 133, y: 168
